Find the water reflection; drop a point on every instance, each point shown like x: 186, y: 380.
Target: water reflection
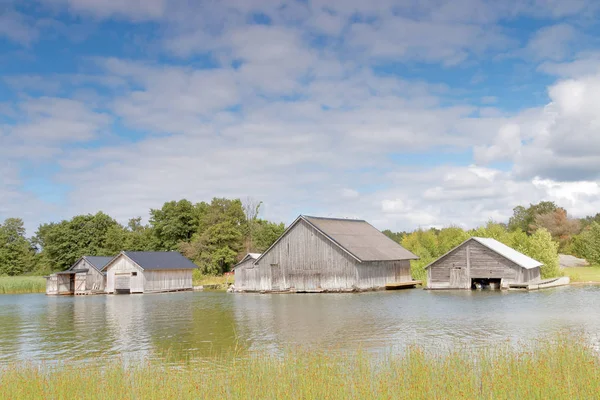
x: 180, y: 325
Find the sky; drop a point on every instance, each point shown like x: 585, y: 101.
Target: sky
x: 409, y: 114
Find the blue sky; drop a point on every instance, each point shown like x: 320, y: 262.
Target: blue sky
x: 407, y: 113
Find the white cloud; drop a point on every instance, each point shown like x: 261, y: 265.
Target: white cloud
x: 551, y: 42
x: 15, y: 27
x: 137, y: 10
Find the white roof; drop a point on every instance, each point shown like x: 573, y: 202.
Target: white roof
x: 249, y: 256
x: 507, y: 252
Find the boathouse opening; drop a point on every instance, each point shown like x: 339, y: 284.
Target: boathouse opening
x: 486, y: 283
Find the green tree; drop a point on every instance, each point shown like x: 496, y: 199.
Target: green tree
x: 541, y: 247
x: 395, y: 236
x: 175, y: 222
x: 17, y: 254
x: 587, y: 244
x: 65, y: 242
x: 524, y: 218
x: 219, y: 240
x: 449, y: 238
x: 265, y: 234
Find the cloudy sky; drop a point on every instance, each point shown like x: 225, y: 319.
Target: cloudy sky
x: 409, y: 113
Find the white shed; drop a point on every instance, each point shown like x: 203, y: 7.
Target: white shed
x: 148, y: 272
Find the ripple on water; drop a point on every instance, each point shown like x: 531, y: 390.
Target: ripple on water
x: 177, y: 325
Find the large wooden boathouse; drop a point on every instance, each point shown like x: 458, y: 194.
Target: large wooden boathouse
x: 326, y: 254
x: 481, y: 262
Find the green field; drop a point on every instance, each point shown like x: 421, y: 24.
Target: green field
x: 22, y: 284
x: 583, y: 274
x: 563, y: 369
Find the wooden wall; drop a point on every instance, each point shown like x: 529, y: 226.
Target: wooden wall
x: 95, y: 280
x: 473, y: 260
x: 52, y: 284
x: 304, y: 259
x: 375, y: 275
x: 166, y: 280
x: 124, y: 266
x: 246, y: 275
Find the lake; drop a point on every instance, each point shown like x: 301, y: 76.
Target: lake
x: 42, y: 328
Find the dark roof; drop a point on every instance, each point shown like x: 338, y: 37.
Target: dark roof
x: 152, y: 260
x: 361, y: 239
x: 356, y: 237
x: 98, y: 262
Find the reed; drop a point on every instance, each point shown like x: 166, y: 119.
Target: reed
x: 559, y: 369
x: 22, y: 284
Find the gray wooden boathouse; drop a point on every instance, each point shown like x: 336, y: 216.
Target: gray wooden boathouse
x: 84, y: 276
x: 482, y: 261
x: 148, y: 272
x: 326, y: 254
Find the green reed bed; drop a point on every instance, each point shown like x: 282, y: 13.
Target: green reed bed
x: 22, y: 284
x: 563, y: 369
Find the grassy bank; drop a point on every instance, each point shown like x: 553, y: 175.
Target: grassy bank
x: 563, y: 370
x: 583, y: 274
x: 22, y: 284
x: 219, y: 282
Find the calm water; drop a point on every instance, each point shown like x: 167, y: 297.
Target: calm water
x: 37, y: 327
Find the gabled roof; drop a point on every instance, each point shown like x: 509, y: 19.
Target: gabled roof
x: 249, y: 256
x: 157, y: 260
x: 97, y: 262
x: 510, y: 253
x: 358, y: 238
x: 499, y: 248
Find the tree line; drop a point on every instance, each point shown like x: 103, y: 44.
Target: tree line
x: 541, y: 231
x: 214, y: 235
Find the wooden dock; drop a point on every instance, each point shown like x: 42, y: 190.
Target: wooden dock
x: 544, y: 284
x: 402, y: 285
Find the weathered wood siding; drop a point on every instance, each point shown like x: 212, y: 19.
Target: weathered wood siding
x: 166, y: 280
x: 124, y: 266
x: 94, y: 280
x: 377, y: 274
x: 246, y: 275
x: 80, y: 280
x: 304, y: 259
x: 52, y: 284
x: 473, y: 260
x: 438, y: 274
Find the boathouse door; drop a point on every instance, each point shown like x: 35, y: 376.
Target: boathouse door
x: 123, y: 282
x: 459, y: 279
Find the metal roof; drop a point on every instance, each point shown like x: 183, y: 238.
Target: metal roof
x: 360, y: 239
x: 98, y: 262
x: 156, y: 260
x: 253, y: 256
x: 510, y: 253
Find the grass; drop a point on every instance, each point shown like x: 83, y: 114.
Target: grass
x: 22, y: 284
x: 562, y: 369
x: 583, y: 274
x: 219, y: 282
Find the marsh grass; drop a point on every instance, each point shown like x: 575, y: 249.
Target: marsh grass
x: 22, y: 284
x: 216, y: 281
x: 583, y: 274
x: 560, y: 369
